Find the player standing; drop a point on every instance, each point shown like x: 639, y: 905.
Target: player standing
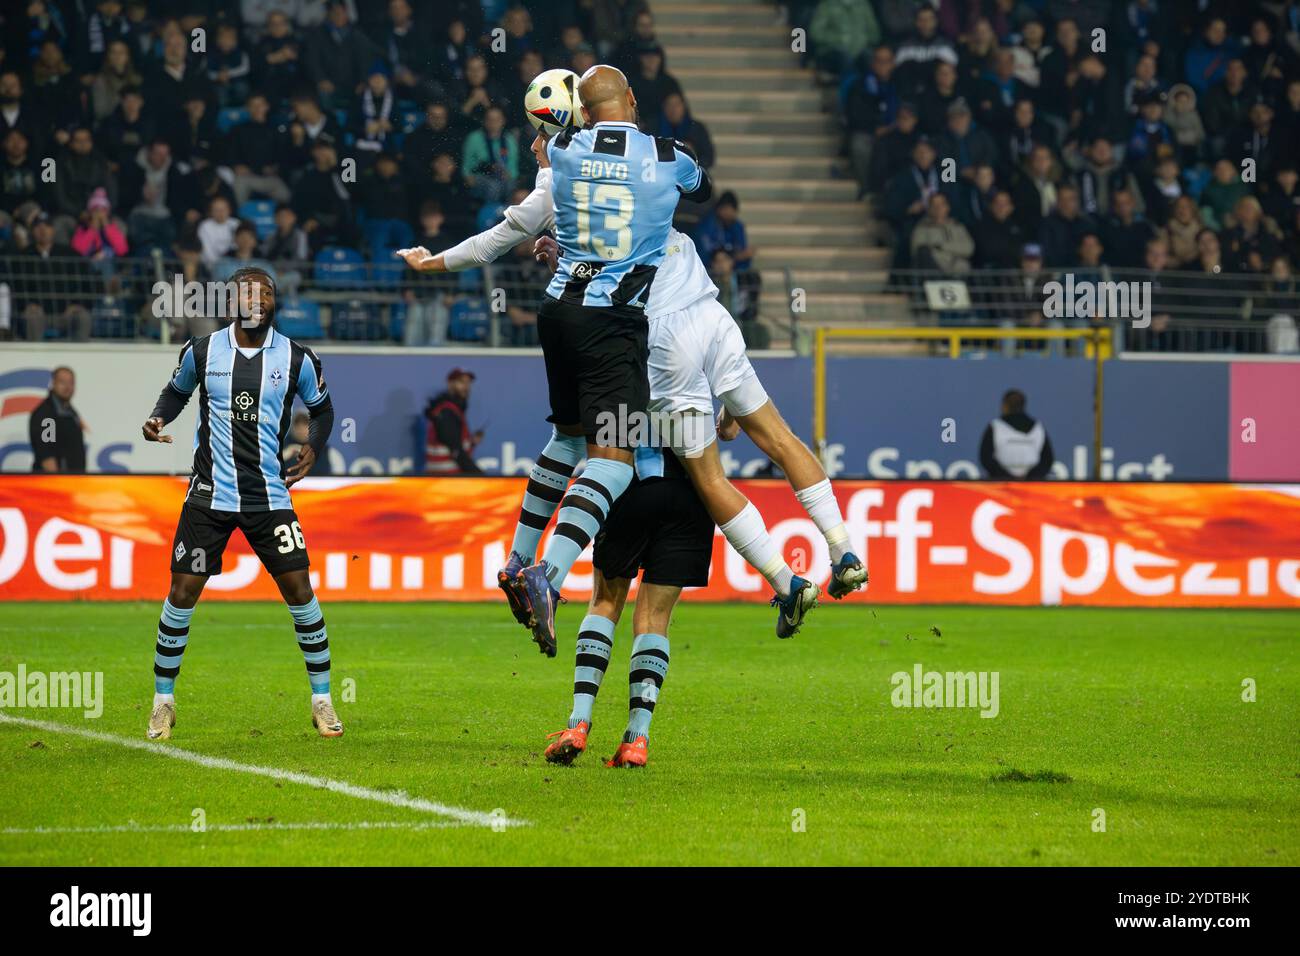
x: 661, y: 529
x: 247, y: 375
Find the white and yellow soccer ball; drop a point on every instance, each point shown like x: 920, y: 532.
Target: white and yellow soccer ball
x: 552, y: 103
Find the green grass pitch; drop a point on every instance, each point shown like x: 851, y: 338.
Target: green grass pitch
x: 762, y: 751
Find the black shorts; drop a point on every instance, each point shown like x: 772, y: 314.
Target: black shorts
x: 201, y: 536
x: 595, y: 363
x: 659, y: 526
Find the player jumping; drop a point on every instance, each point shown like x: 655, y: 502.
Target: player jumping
x: 709, y: 361
x: 247, y: 375
x: 660, y: 528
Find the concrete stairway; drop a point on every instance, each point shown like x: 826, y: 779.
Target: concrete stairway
x: 777, y: 149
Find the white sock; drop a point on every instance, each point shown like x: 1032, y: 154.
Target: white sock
x: 317, y: 698
x: 819, y: 501
x: 163, y: 699
x: 748, y: 535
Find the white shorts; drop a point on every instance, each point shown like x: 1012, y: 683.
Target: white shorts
x: 695, y: 355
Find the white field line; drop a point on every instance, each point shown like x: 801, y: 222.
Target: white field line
x: 237, y: 827
x: 391, y: 798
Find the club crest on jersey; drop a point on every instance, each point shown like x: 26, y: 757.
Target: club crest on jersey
x: 277, y: 378
x: 180, y: 550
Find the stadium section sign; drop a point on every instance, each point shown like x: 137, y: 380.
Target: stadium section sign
x: 395, y: 539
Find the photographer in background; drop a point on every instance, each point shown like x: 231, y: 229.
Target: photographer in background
x: 1015, y: 446
x: 449, y: 445
x: 55, y: 429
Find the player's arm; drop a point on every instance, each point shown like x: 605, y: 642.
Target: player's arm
x: 320, y: 407
x: 692, y: 178
x: 174, y: 396
x: 522, y: 221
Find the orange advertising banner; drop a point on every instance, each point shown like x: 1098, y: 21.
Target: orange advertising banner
x: 109, y: 537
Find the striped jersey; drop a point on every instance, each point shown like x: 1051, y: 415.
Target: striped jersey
x: 245, y: 408
x: 614, y: 190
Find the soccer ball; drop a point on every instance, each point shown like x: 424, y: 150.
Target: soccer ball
x: 552, y: 103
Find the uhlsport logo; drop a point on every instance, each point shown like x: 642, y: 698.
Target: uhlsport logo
x: 76, y: 909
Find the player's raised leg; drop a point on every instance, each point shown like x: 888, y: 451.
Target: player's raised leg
x: 591, y: 659
x: 547, y: 480
x: 769, y: 431
x: 313, y: 641
x: 173, y: 637
x: 743, y: 526
x: 646, y: 670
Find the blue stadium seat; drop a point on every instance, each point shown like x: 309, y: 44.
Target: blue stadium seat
x: 356, y: 321
x: 261, y: 213
x: 109, y: 319
x: 299, y: 319
x: 387, y: 270
x: 396, y: 321
x: 469, y: 320
x: 339, y: 267
x: 230, y: 117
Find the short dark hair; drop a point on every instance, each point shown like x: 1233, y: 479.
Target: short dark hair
x: 1014, y: 400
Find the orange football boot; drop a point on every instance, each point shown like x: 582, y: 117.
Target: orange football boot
x: 572, y: 742
x: 629, y: 755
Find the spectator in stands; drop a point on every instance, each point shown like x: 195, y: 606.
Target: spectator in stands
x: 998, y: 93
x: 127, y: 128
x: 406, y: 45
x: 971, y: 198
x: 678, y: 123
x: 1256, y: 141
x: 962, y: 141
x: 20, y: 180
x: 174, y: 79
x: 446, y: 188
x: 15, y: 113
x: 194, y: 132
x: 478, y: 92
x: 916, y: 55
x: 1282, y: 199
x: 1150, y: 137
x: 243, y: 254
x: 229, y: 68
x: 1222, y: 194
x: 491, y: 158
x: 937, y: 97
x: 99, y: 237
x: 651, y: 84
x: 583, y: 59
x: 55, y: 428
x: 1142, y: 85
x: 278, y: 56
x: 723, y: 229
x: 436, y: 136
x: 1181, y: 231
x: 1184, y: 121
x: 892, y: 151
x: 840, y: 32
x: 1030, y: 52
x: 286, y: 248
x: 1019, y: 300
x: 56, y: 92
x: 449, y: 447
x: 625, y: 57
x: 1250, y: 244
x: 159, y: 195
x: 250, y: 152
x: 192, y: 323
x: 385, y: 198
x: 736, y: 300
x: 81, y: 170
x: 1227, y: 104
x: 1209, y: 55
x: 1100, y: 175
x: 322, y: 201
x: 116, y: 74
x: 48, y: 286
x: 612, y: 21
x: 373, y: 119
x: 452, y: 55
x: 102, y: 27
x: 337, y: 56
x: 999, y: 237
x: 871, y: 108
x: 908, y: 193
x: 1163, y: 190
x: 1028, y: 130
x: 1015, y: 446
x: 1059, y: 73
x: 1158, y: 336
x: 1034, y: 189
x: 941, y: 242
x: 975, y: 51
x: 1062, y: 229
x: 523, y: 278
x: 1126, y: 233
x: 216, y: 233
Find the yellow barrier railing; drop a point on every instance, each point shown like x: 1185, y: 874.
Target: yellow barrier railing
x: 1098, y: 339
